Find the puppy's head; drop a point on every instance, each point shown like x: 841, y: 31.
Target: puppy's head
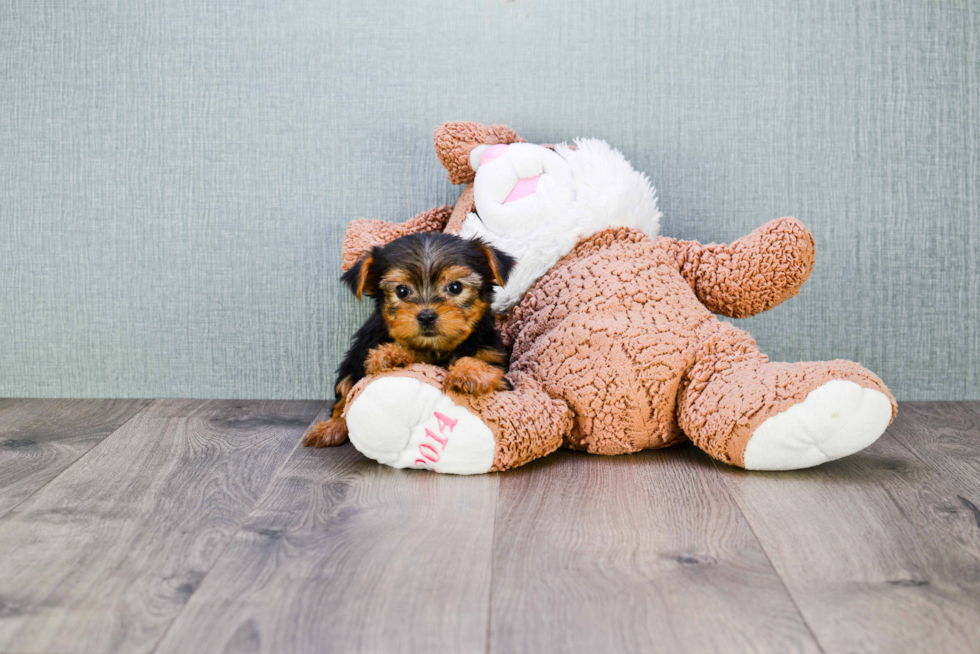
x: 431, y: 288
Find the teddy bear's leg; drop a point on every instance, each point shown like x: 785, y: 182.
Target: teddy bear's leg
x: 743, y: 410
x: 404, y: 419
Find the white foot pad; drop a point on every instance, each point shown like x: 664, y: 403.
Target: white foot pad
x: 834, y: 420
x: 405, y: 423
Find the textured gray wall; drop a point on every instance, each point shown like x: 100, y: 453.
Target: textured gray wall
x: 175, y: 176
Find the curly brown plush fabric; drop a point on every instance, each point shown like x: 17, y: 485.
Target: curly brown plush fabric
x: 364, y: 234
x: 722, y: 394
x: 754, y: 273
x: 527, y: 423
x: 455, y: 141
x: 461, y: 210
x: 616, y: 331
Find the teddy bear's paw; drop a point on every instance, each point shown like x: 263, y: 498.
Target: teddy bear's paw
x: 834, y: 420
x: 405, y: 423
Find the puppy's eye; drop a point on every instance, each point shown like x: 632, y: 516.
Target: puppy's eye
x: 455, y: 288
x: 402, y: 291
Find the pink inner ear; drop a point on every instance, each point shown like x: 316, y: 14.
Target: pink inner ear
x: 523, y: 188
x: 492, y: 152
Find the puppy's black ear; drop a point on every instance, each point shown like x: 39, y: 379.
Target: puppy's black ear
x: 500, y: 263
x: 360, y: 278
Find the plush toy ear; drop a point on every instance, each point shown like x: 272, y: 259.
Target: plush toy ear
x: 455, y: 141
x: 359, y: 278
x: 362, y: 235
x: 500, y: 263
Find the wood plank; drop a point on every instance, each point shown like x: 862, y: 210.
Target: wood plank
x: 640, y: 553
x: 346, y: 555
x: 104, y: 557
x: 877, y: 549
x: 944, y: 436
x: 40, y: 438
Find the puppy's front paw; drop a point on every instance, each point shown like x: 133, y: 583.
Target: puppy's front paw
x: 387, y: 357
x: 326, y: 433
x: 475, y: 377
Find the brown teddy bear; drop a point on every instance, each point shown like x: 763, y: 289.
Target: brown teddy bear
x: 614, y: 345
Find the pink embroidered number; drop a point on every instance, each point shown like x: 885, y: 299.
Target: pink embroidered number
x: 428, y: 451
x: 444, y: 422
x: 434, y: 456
x: 439, y: 439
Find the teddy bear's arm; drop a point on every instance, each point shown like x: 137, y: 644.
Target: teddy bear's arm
x: 364, y: 234
x: 751, y: 275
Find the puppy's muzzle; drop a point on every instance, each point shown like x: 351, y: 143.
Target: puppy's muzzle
x: 427, y: 318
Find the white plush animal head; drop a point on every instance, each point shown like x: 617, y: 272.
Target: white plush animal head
x: 536, y: 203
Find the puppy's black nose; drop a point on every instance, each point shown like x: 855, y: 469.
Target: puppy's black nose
x: 427, y: 317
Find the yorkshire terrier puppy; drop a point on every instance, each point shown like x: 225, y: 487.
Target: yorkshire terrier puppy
x: 432, y: 295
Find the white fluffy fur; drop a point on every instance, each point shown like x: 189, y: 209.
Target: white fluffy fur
x: 606, y: 192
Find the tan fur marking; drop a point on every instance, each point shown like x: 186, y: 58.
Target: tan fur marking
x: 490, y: 355
x: 462, y: 274
x: 492, y: 261
x: 327, y: 433
x: 403, y: 323
x: 387, y: 357
x: 393, y: 277
x: 474, y: 377
x: 475, y: 313
x: 340, y: 391
x: 454, y: 325
x: 363, y: 274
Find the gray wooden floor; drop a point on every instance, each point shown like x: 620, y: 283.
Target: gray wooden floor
x: 177, y: 526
